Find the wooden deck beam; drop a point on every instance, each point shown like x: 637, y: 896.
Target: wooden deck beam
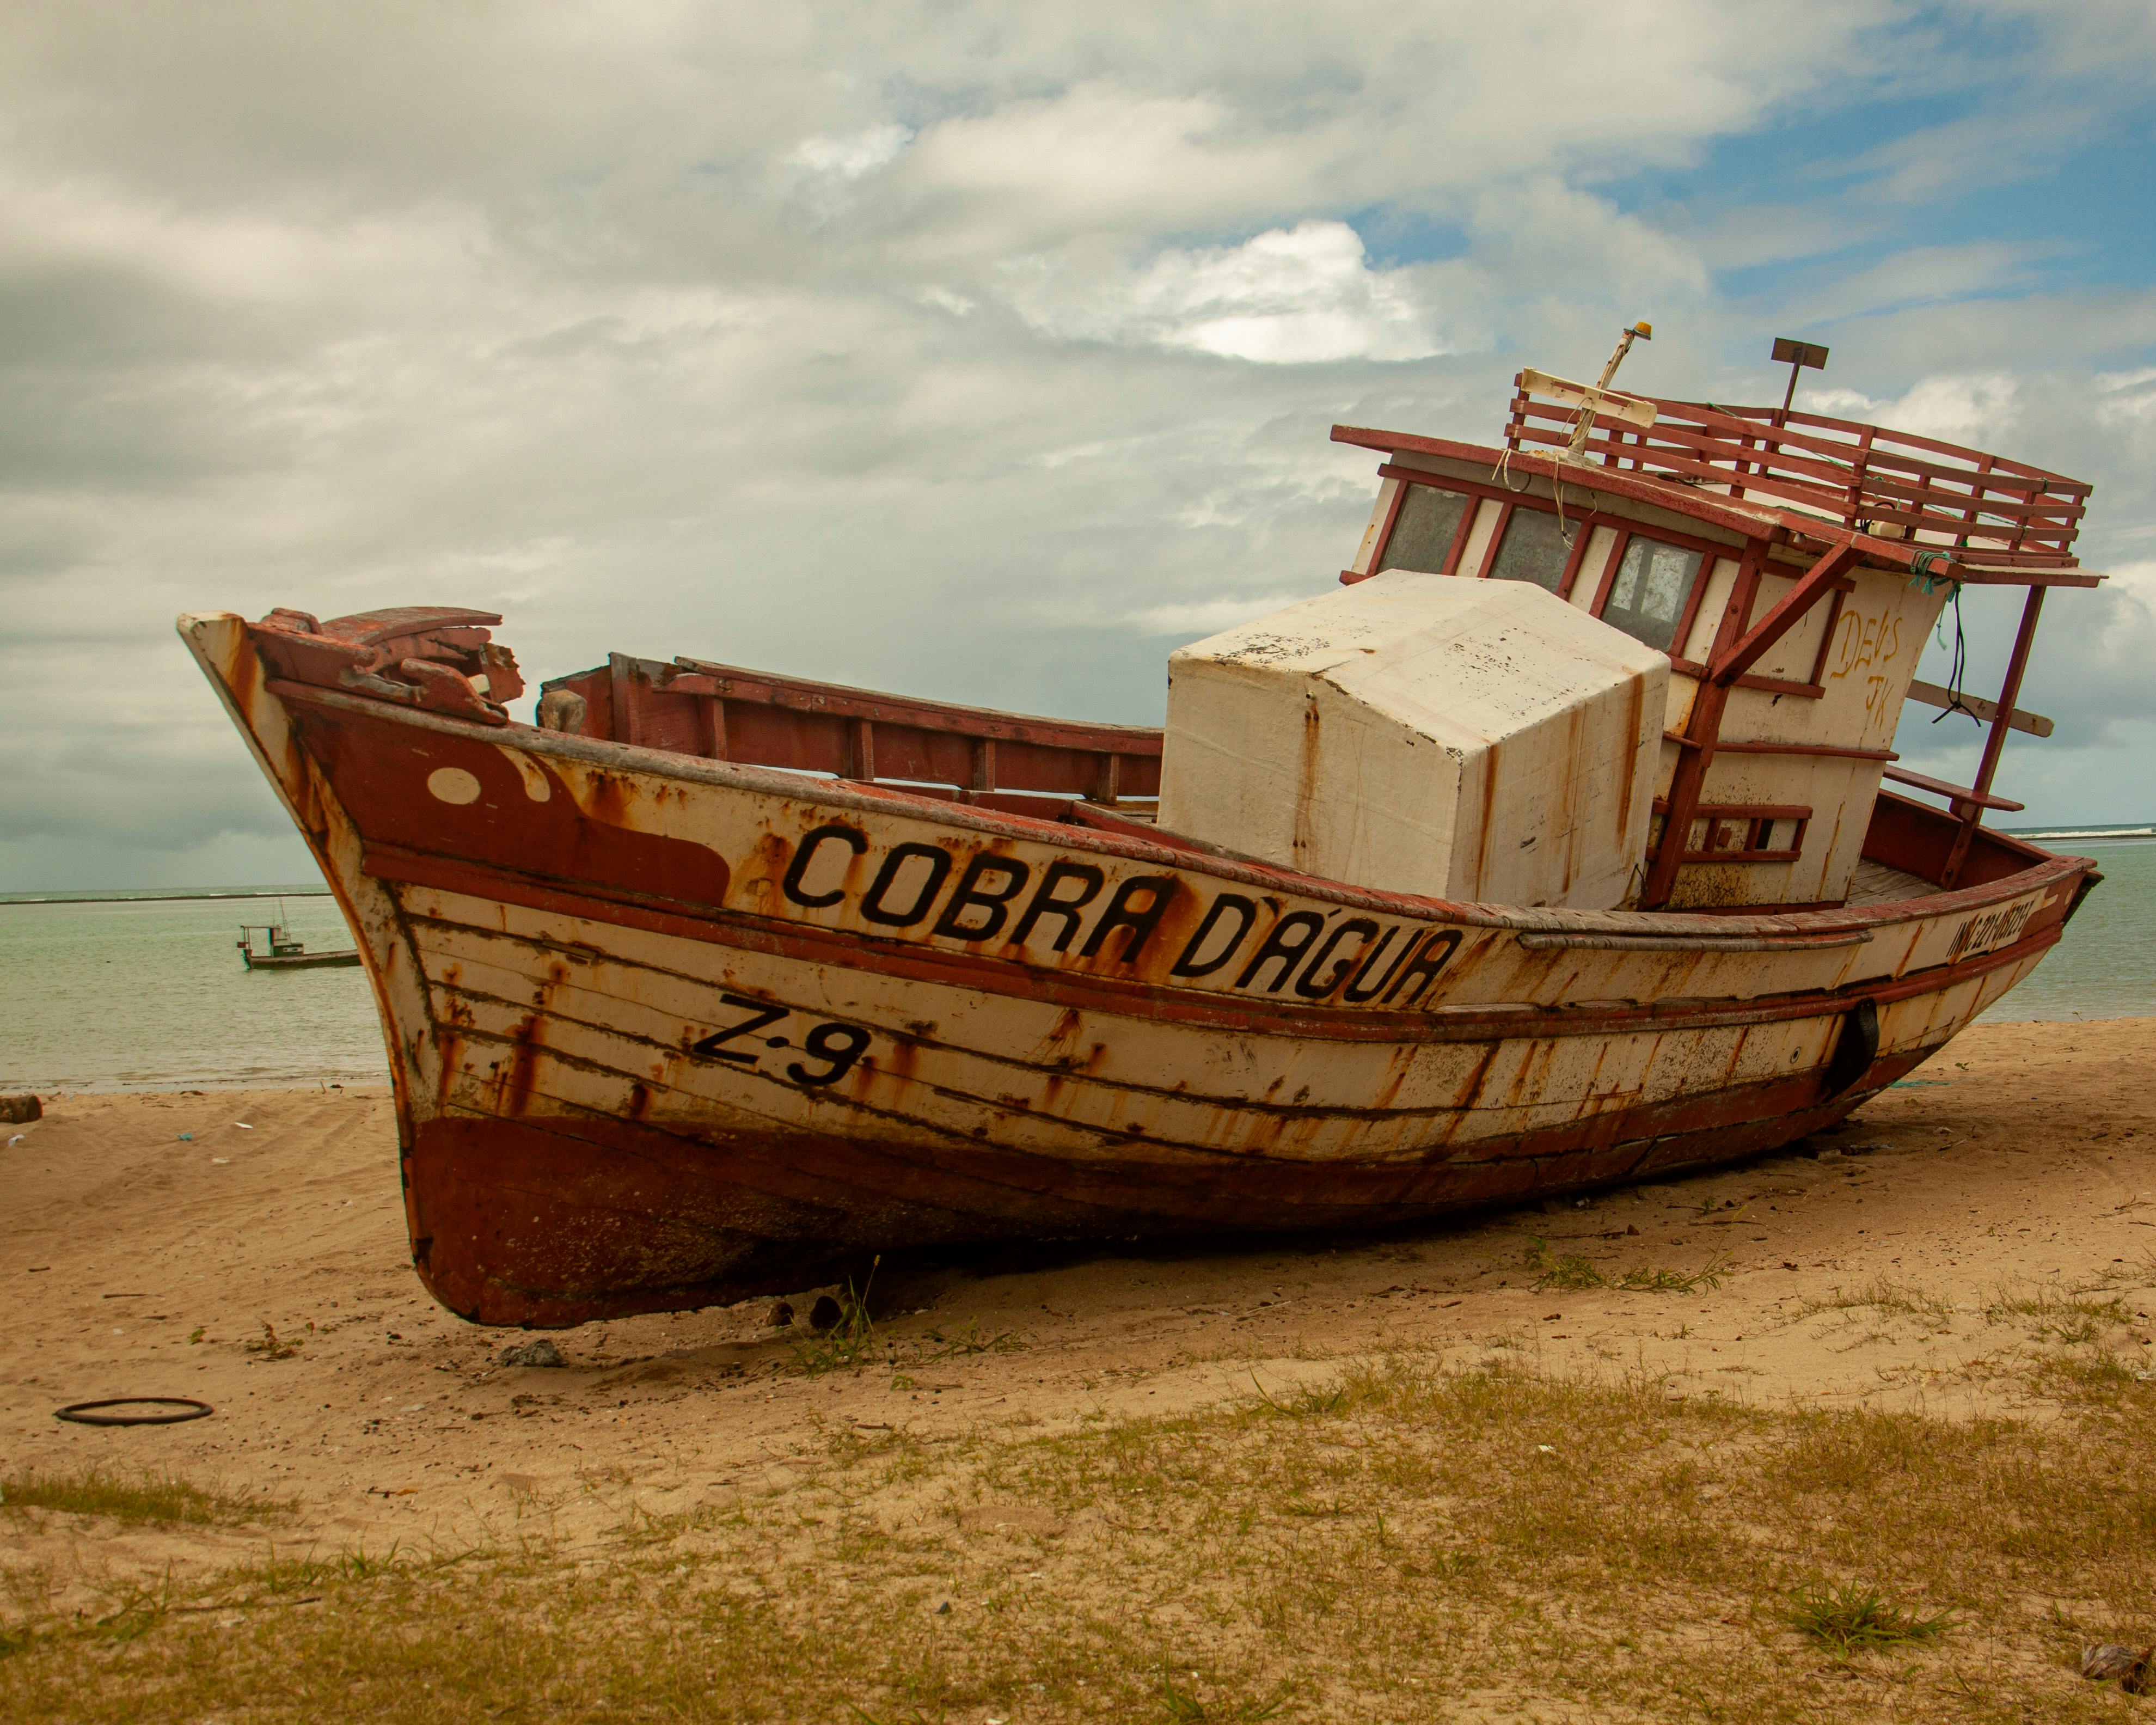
x: 1818, y: 582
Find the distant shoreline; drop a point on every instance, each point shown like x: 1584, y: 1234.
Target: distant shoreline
x: 2061, y: 835
x: 142, y: 898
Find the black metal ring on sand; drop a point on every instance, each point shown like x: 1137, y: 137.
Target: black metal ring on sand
x: 176, y: 1408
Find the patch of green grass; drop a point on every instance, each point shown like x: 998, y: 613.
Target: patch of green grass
x: 2094, y: 1381
x: 1304, y: 1402
x: 1180, y: 1706
x: 849, y: 1344
x: 150, y: 1499
x: 268, y: 1345
x: 855, y: 1342
x: 2064, y: 1316
x: 1848, y: 1617
x: 971, y: 1339
x: 1885, y: 1296
x: 1572, y: 1272
x: 1567, y: 1273
x: 1396, y: 1544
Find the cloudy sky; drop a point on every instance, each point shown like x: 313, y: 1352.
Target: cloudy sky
x: 983, y: 350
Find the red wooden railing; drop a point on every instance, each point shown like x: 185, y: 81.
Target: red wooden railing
x: 723, y: 712
x: 2001, y: 514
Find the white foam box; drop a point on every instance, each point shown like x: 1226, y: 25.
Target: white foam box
x: 1475, y: 741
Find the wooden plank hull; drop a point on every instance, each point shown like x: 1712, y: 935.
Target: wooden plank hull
x: 668, y: 1032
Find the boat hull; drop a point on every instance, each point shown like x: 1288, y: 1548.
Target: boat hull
x: 668, y: 1032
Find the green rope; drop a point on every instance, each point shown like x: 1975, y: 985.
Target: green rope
x: 1921, y: 565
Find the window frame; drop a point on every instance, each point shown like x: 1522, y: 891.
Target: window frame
x: 1710, y: 550
x: 1461, y: 529
x: 1688, y: 612
x: 1578, y: 549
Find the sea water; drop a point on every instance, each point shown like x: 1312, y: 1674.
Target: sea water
x: 96, y: 993
x: 2104, y: 965
x: 101, y: 994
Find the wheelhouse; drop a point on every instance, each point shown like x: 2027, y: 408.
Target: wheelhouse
x: 1790, y: 565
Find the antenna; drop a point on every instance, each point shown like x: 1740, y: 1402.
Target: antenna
x: 1796, y: 355
x: 1576, y: 449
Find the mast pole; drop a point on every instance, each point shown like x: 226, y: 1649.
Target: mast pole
x: 1575, y: 448
x: 1994, y: 743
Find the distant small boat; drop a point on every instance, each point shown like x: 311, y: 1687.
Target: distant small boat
x: 284, y: 952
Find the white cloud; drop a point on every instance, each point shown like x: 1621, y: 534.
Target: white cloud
x: 2132, y: 397
x: 851, y: 156
x: 1978, y: 410
x: 943, y: 299
x: 1208, y: 617
x: 880, y: 344
x: 1284, y: 297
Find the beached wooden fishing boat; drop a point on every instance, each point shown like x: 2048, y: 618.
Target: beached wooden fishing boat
x: 712, y: 982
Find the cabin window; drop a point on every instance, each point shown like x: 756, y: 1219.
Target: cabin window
x: 1424, y: 531
x: 1532, y: 549
x: 1648, y: 594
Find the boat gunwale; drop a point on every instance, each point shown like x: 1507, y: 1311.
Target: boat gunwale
x: 1710, y: 933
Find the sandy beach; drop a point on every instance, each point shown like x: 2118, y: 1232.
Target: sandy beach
x: 156, y: 1243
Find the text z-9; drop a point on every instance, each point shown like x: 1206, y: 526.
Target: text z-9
x: 834, y: 1047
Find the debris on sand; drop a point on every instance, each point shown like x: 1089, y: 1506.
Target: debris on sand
x: 541, y: 1352
x: 2110, y: 1662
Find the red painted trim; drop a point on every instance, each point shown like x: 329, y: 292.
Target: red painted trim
x: 1383, y: 541
x: 1597, y: 517
x: 1744, y: 811
x: 1602, y: 587
x: 1701, y: 578
x: 1994, y: 743
x: 1748, y: 520
x: 621, y: 709
x: 1766, y: 685
x: 1793, y: 905
x: 2017, y: 666
x: 1703, y: 725
x: 1727, y: 747
x: 1781, y: 685
x: 1958, y: 794
x: 703, y: 679
x: 1583, y: 536
x: 1750, y: 854
x: 1463, y: 530
x: 1826, y: 634
x: 1497, y: 539
x: 1788, y: 611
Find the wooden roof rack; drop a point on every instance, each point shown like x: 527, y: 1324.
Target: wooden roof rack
x: 2006, y: 516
